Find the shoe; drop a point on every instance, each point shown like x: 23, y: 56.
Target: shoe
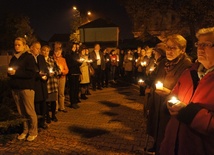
x: 99, y: 88
x: 54, y: 119
x: 150, y: 151
x: 78, y: 101
x: 22, y: 136
x: 45, y: 126
x: 63, y: 110
x: 74, y: 106
x: 88, y: 93
x: 94, y: 89
x: 48, y: 120
x: 83, y: 97
x: 31, y: 138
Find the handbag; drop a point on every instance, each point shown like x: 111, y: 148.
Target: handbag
x: 91, y: 70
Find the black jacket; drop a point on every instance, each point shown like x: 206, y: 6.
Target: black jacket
x: 25, y: 67
x: 41, y: 91
x: 72, y: 62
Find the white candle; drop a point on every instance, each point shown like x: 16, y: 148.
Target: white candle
x: 159, y: 85
x: 173, y: 100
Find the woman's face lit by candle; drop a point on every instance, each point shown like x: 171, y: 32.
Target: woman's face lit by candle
x: 45, y: 51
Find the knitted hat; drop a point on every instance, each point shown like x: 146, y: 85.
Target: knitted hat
x: 161, y: 49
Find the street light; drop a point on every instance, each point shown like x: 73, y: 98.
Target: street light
x: 89, y: 13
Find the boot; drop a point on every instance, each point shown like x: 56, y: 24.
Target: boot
x: 83, y: 97
x: 87, y: 92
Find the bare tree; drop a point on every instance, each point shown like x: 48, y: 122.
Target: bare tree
x: 163, y: 17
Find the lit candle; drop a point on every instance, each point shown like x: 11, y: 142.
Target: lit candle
x: 130, y: 58
x: 107, y: 59
x: 10, y: 68
x: 136, y: 60
x: 159, y: 85
x: 151, y: 69
x: 140, y: 81
x: 82, y: 59
x: 90, y: 60
x: 173, y: 100
x: 143, y: 63
x: 50, y: 70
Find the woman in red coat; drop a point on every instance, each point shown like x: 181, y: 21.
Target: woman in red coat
x: 190, y: 130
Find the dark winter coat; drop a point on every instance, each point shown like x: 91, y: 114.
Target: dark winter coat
x: 158, y: 112
x: 25, y: 67
x: 41, y: 91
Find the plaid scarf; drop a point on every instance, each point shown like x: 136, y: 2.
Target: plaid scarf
x: 169, y: 65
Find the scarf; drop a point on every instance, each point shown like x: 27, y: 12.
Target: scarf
x: 170, y: 65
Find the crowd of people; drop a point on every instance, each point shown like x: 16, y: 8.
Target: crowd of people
x: 180, y: 106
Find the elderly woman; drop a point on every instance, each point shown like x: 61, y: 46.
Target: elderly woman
x: 191, y: 126
x: 168, y: 72
x: 52, y: 83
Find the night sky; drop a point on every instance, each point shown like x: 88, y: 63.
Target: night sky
x: 48, y: 17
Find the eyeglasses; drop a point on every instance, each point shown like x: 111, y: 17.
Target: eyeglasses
x: 171, y: 48
x: 203, y: 45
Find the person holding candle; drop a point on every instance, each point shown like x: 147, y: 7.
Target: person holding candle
x: 190, y: 129
x: 84, y: 68
x: 105, y: 76
x: 41, y: 92
x: 114, y: 65
x: 128, y: 65
x: 98, y: 65
x: 168, y: 72
x: 60, y: 104
x: 73, y: 61
x: 22, y: 82
x: 52, y: 83
x: 141, y: 70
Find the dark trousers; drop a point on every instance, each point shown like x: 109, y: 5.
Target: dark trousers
x: 73, y: 81
x: 41, y: 108
x: 105, y: 77
x: 96, y: 79
x: 51, y: 106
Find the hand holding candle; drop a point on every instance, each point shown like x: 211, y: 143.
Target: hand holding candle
x: 51, y: 72
x: 174, y: 105
x: 173, y: 101
x: 141, y: 82
x: 143, y: 63
x: 11, y: 71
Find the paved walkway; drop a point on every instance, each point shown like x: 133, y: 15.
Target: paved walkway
x: 110, y: 122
